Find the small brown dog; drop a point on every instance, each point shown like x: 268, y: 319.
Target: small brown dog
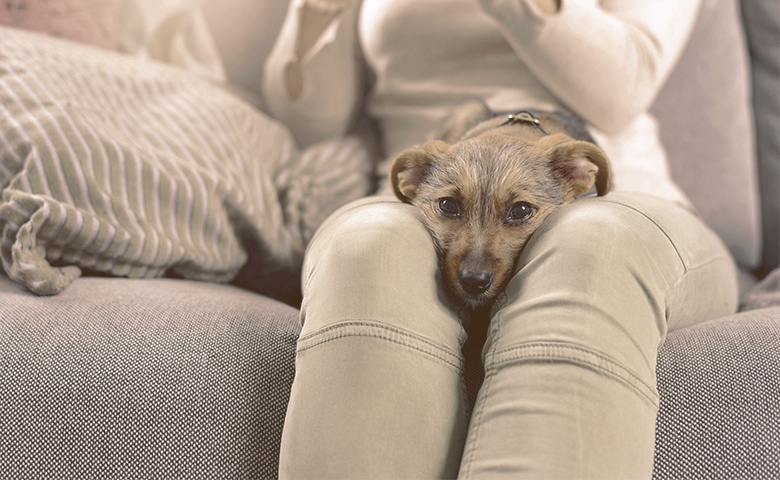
x: 488, y: 184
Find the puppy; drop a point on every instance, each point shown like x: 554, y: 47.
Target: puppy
x: 488, y: 183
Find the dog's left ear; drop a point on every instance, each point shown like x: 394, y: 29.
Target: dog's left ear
x: 579, y: 164
x: 411, y: 166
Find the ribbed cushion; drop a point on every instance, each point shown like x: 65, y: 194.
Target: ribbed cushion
x: 143, y: 378
x: 135, y: 169
x: 720, y: 399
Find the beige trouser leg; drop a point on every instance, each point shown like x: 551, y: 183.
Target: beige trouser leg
x: 378, y: 388
x: 570, y: 358
x: 570, y: 386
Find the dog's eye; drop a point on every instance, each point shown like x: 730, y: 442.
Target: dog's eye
x: 520, y: 212
x: 449, y: 207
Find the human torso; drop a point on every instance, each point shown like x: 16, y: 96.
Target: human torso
x: 430, y: 56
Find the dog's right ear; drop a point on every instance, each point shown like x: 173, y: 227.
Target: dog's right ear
x: 411, y: 166
x: 580, y: 165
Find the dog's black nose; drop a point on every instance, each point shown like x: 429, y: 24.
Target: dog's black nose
x: 475, y: 281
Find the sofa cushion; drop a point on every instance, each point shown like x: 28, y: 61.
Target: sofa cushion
x: 762, y: 24
x: 705, y: 119
x: 720, y: 399
x: 162, y: 378
x: 136, y: 169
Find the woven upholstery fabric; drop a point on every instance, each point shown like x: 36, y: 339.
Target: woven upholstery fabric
x: 720, y: 399
x: 143, y: 378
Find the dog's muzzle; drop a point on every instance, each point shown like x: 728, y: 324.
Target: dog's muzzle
x: 475, y: 282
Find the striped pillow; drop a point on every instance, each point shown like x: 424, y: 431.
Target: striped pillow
x: 137, y: 169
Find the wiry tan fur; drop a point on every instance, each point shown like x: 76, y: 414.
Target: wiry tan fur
x: 488, y: 170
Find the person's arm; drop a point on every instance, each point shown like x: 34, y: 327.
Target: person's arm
x: 313, y: 77
x: 174, y: 32
x: 605, y: 61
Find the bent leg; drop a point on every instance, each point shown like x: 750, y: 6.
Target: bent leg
x: 378, y: 389
x: 570, y: 388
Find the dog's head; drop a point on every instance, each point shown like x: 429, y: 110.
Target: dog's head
x: 484, y: 193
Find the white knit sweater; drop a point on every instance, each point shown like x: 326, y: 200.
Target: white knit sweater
x: 603, y: 60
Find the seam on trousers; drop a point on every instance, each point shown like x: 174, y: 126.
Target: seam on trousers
x: 690, y: 270
x: 362, y: 328
x: 479, y: 411
x: 657, y: 225
x: 551, y: 351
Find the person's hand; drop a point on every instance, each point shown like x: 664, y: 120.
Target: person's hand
x: 545, y: 6
x: 548, y: 6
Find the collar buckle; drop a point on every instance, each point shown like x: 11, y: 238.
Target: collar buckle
x: 523, y: 116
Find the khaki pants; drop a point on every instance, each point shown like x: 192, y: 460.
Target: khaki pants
x: 570, y: 386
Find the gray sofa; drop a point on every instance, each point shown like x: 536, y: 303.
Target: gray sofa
x: 172, y: 378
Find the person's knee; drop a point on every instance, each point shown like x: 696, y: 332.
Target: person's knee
x: 604, y: 257
x: 371, y: 238
x: 377, y: 263
x: 595, y: 276
x: 594, y: 231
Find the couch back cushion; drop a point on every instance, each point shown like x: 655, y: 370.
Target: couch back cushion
x: 762, y: 25
x: 705, y: 116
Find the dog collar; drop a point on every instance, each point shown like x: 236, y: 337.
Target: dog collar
x: 523, y: 116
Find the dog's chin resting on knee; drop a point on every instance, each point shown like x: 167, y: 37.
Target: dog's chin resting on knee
x: 487, y: 184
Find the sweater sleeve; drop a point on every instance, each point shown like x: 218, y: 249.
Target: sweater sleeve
x: 174, y: 32
x: 605, y: 60
x: 331, y: 75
